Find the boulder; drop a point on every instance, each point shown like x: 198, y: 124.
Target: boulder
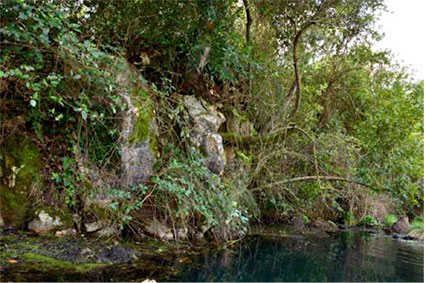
x: 401, y: 226
x: 44, y: 223
x: 138, y: 130
x: 204, y: 134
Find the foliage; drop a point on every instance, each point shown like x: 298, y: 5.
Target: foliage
x: 360, y: 117
x: 59, y: 83
x: 390, y: 220
x: 196, y: 194
x: 368, y: 221
x: 417, y: 224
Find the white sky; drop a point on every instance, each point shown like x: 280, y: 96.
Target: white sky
x: 404, y: 27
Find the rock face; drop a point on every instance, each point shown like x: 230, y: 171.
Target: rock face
x: 402, y: 225
x: 206, y: 122
x: 239, y: 125
x: 19, y: 172
x: 138, y: 154
x: 44, y: 223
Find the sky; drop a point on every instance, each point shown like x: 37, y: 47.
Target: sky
x: 404, y: 29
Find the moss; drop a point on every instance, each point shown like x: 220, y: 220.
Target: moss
x: 60, y: 264
x: 142, y: 125
x: 20, y: 167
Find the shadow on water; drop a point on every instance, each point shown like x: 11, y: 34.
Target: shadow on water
x: 341, y: 256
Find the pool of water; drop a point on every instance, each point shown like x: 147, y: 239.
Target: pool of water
x: 340, y: 256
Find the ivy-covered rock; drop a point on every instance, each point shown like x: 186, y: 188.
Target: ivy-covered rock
x: 20, y: 164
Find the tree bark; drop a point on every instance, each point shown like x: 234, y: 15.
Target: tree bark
x: 248, y: 38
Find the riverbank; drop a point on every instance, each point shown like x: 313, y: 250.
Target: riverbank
x: 28, y: 257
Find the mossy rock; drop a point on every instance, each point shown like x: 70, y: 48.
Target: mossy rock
x: 20, y: 165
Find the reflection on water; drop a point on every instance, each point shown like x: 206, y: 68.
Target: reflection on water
x: 342, y: 256
x: 345, y: 256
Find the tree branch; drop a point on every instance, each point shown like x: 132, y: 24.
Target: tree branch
x: 314, y: 178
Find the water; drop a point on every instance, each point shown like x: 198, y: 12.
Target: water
x: 341, y: 256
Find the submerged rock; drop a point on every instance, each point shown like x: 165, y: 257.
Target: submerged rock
x: 44, y: 223
x: 206, y: 122
x: 416, y: 234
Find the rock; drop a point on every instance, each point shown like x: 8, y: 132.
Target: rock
x: 117, y: 254
x: 1, y: 220
x: 159, y: 230
x: 182, y: 233
x: 199, y: 236
x: 324, y: 225
x: 107, y: 232
x: 44, y: 223
x: 66, y: 232
x: 239, y: 125
x: 206, y: 122
x: 19, y: 172
x: 138, y: 130
x: 147, y: 280
x: 298, y: 223
x: 93, y: 227
x: 213, y: 146
x: 401, y: 226
x: 416, y: 234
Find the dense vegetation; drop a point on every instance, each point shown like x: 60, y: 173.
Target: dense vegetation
x: 335, y: 129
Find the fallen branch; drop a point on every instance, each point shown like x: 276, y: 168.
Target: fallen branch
x: 314, y: 178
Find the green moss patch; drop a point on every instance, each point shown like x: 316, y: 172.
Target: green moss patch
x: 60, y: 264
x: 142, y: 126
x: 20, y: 167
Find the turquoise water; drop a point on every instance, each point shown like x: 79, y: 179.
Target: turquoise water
x: 343, y: 256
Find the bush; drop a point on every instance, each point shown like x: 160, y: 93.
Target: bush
x: 390, y: 220
x: 192, y: 194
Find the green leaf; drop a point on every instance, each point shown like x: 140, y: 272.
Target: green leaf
x: 84, y: 115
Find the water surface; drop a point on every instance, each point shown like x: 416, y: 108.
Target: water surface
x: 340, y: 256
